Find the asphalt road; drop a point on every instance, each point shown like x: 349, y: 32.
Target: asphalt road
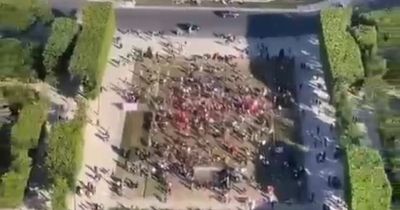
x: 250, y: 24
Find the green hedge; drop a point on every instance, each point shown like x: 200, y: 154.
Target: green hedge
x: 15, y: 60
x: 63, y: 31
x: 366, y: 36
x: 24, y: 136
x: 65, y: 155
x: 388, y: 23
x: 370, y: 186
x: 26, y: 132
x: 375, y: 65
x: 20, y: 14
x: 366, y: 190
x: 343, y: 53
x: 18, y: 94
x: 91, y: 51
x: 60, y: 190
x: 344, y: 109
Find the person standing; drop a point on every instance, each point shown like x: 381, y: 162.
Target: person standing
x: 312, y: 197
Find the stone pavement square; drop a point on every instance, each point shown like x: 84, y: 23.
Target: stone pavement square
x: 111, y: 117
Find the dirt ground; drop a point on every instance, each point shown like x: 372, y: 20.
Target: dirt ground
x: 214, y: 152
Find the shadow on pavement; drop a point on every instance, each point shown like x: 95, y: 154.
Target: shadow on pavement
x: 277, y: 25
x: 274, y: 65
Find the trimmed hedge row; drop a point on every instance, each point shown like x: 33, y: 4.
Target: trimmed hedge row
x: 367, y: 189
x: 342, y: 50
x: 63, y: 31
x: 90, y: 54
x: 24, y: 136
x: 362, y: 182
x: 15, y: 60
x: 60, y: 190
x: 369, y: 184
x: 18, y: 94
x: 64, y: 155
x: 20, y: 14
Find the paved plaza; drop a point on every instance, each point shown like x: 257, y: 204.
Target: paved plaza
x: 106, y: 115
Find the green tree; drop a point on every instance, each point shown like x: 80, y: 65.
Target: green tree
x: 375, y: 91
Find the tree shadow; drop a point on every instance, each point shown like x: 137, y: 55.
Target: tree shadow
x: 283, y: 160
x: 38, y: 181
x: 67, y: 84
x: 282, y: 24
x: 5, y: 147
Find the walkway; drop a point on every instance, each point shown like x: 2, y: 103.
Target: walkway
x: 104, y: 113
x: 316, y: 125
